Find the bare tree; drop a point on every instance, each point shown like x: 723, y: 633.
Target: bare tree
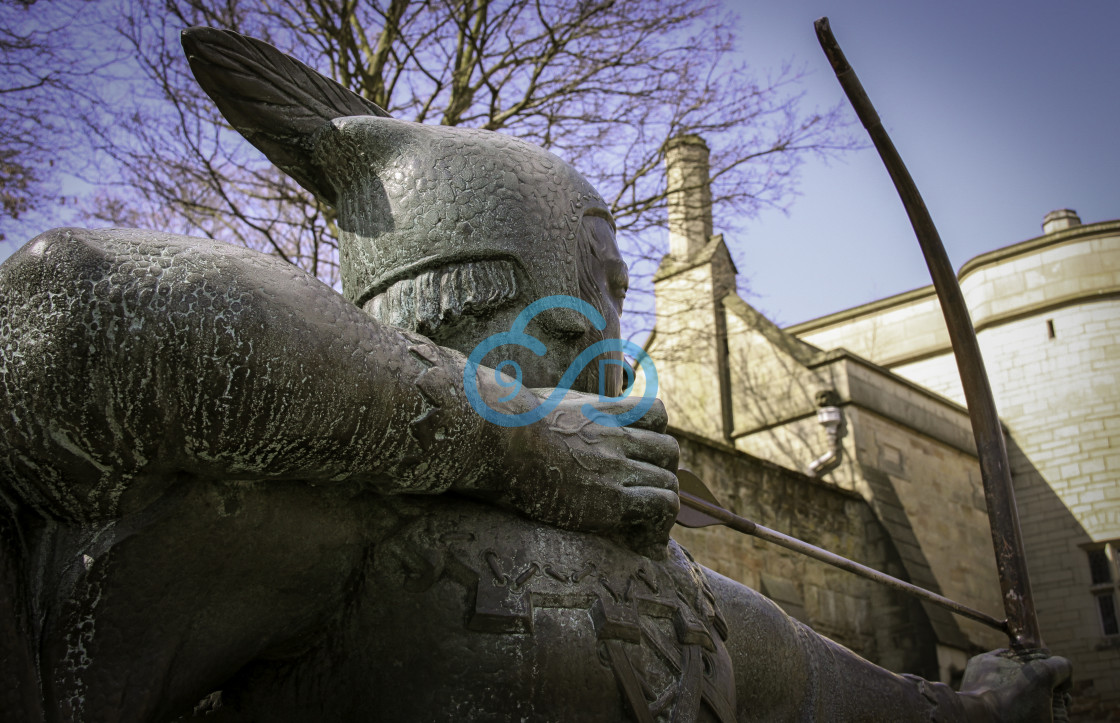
x: 602, y: 83
x: 43, y: 78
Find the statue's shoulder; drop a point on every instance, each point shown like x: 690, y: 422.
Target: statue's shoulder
x: 72, y: 239
x: 75, y: 253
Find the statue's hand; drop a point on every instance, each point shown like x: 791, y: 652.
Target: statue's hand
x: 1003, y: 686
x: 568, y: 471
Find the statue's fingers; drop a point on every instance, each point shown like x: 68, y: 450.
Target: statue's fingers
x: 655, y: 420
x: 649, y: 511
x: 1053, y: 672
x: 656, y: 449
x: 643, y: 474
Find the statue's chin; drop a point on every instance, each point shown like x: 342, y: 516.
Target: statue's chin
x: 469, y: 609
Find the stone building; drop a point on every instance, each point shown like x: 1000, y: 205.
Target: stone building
x: 849, y: 432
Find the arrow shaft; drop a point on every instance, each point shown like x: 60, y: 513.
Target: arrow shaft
x: 700, y: 508
x: 742, y: 524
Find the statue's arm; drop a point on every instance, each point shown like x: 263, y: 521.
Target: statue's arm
x: 134, y: 357
x: 785, y: 671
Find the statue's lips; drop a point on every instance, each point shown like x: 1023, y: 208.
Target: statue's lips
x: 430, y: 263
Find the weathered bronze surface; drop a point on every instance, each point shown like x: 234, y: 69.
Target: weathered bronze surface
x: 233, y: 494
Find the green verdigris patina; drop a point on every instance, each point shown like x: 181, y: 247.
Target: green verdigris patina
x: 232, y: 493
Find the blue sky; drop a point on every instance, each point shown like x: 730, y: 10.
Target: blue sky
x: 1003, y: 111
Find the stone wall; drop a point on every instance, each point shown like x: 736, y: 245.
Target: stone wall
x: 908, y: 460
x: 904, y: 494
x: 885, y: 627
x: 1060, y: 399
x: 1027, y: 279
x: 686, y: 342
x: 1047, y: 313
x: 910, y: 456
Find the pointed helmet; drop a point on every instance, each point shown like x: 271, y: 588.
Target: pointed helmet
x: 413, y: 200
x: 414, y: 197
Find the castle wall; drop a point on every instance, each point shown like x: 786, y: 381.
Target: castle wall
x: 884, y: 626
x: 1060, y: 399
x: 903, y: 495
x: 1047, y: 314
x: 685, y: 352
x: 908, y: 454
x: 937, y: 490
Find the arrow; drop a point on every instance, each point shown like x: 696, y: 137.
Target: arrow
x: 700, y: 508
x: 995, y: 470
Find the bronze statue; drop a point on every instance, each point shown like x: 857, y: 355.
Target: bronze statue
x: 231, y: 493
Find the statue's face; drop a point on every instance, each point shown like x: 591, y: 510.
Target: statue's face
x: 452, y: 232
x: 610, y: 281
x: 600, y: 277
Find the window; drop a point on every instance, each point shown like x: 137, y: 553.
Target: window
x: 1102, y: 578
x: 1107, y: 604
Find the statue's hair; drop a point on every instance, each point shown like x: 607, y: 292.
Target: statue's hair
x: 587, y: 260
x: 441, y: 296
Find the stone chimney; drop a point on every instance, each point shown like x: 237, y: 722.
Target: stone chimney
x: 690, y: 195
x: 1063, y: 218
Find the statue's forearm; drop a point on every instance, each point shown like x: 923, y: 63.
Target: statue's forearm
x: 850, y: 688
x: 133, y: 355
x: 786, y: 671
